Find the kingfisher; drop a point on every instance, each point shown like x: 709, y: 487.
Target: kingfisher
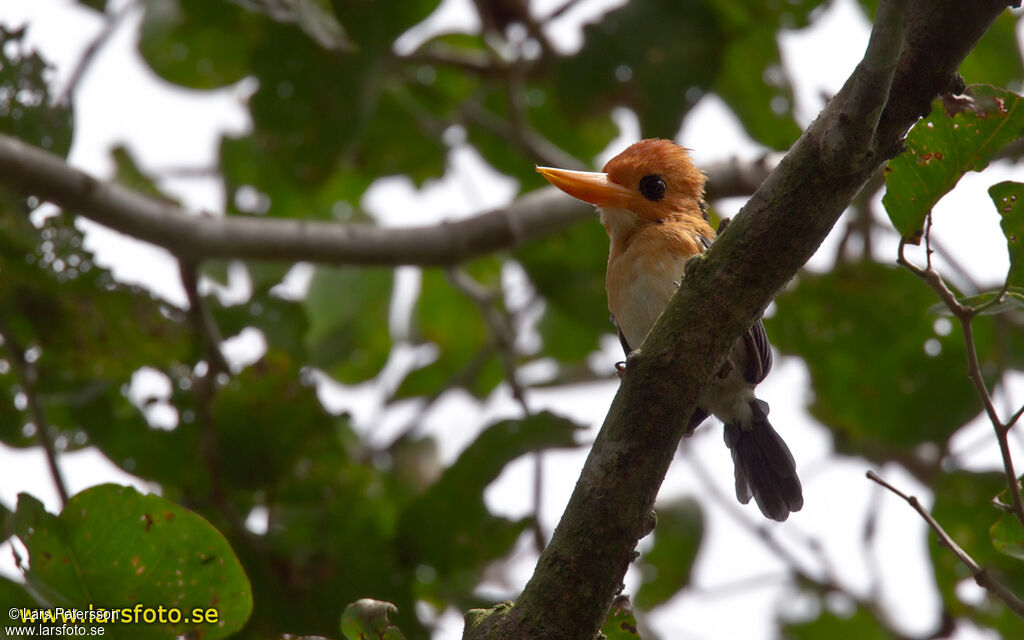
x: 651, y: 202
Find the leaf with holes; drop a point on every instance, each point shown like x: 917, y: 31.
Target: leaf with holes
x: 943, y: 147
x: 114, y: 548
x: 620, y: 623
x: 1009, y: 200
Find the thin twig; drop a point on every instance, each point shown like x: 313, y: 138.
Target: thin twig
x: 1015, y: 417
x: 560, y: 11
x: 89, y: 54
x: 828, y: 583
x: 981, y: 575
x: 468, y: 61
x: 758, y: 531
x: 28, y: 376
x: 965, y: 315
x: 868, y: 538
x: 461, y: 378
x: 533, y: 144
x: 502, y: 326
x: 203, y: 322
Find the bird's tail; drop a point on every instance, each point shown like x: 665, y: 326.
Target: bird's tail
x: 765, y: 469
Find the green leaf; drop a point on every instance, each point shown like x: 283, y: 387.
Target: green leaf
x: 644, y: 55
x: 1009, y: 200
x: 58, y: 304
x: 765, y: 110
x: 284, y: 323
x: 667, y: 566
x: 447, y: 318
x: 943, y: 147
x: 860, y: 625
x: 27, y: 109
x: 567, y: 268
x: 963, y: 506
x: 463, y: 535
x: 268, y: 398
x: 862, y: 330
x: 996, y: 58
x: 348, y: 310
x: 112, y: 547
x: 620, y: 623
x: 199, y: 44
x: 1007, y: 536
x: 14, y: 594
x: 367, y: 619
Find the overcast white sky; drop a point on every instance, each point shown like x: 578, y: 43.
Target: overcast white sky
x: 121, y: 101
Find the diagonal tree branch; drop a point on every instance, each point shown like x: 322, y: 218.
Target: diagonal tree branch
x: 781, y: 226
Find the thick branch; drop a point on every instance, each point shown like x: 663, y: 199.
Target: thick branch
x: 194, y: 237
x: 773, y: 236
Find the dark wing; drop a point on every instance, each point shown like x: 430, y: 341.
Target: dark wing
x: 759, y: 353
x: 622, y: 339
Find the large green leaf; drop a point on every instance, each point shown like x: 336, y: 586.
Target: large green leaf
x: 862, y: 330
x: 14, y: 595
x: 943, y: 147
x: 113, y: 548
x: 199, y: 44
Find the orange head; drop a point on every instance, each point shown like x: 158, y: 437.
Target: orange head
x: 652, y: 179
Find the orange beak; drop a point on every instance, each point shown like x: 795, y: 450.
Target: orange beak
x: 589, y: 186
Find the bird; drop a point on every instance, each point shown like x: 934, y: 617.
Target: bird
x: 651, y: 202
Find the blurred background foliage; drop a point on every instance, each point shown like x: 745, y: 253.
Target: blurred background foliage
x: 337, y: 104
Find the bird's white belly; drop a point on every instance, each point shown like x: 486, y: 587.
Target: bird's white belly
x: 637, y: 303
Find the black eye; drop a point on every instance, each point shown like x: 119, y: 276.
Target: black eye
x: 652, y: 187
